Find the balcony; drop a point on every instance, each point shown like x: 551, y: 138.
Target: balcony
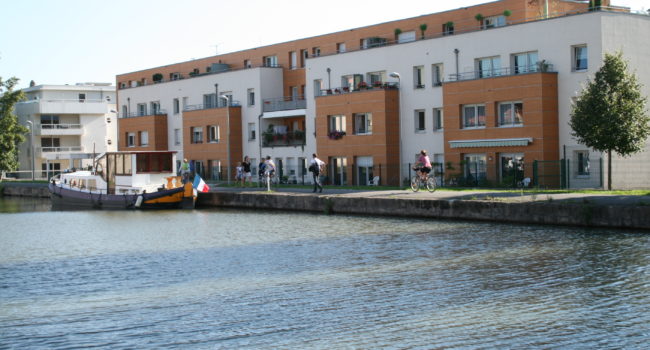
x: 289, y: 138
x: 202, y: 106
x: 362, y: 87
x: 284, y: 104
x: 76, y: 106
x: 55, y: 152
x: 540, y: 67
x: 144, y: 114
x: 60, y: 129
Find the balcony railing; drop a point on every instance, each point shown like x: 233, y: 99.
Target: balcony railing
x: 360, y: 88
x: 284, y: 104
x: 291, y: 138
x: 60, y: 126
x: 144, y: 114
x: 501, y: 72
x: 67, y: 149
x: 201, y: 106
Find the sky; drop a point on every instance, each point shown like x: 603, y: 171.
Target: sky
x: 73, y: 41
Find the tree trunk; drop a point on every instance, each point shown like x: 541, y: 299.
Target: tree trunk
x: 609, y: 170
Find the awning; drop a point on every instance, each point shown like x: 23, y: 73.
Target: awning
x: 490, y: 143
x: 284, y: 114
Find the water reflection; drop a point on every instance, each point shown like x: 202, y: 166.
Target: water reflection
x: 246, y: 279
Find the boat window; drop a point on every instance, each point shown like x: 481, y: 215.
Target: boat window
x: 123, y: 164
x: 154, y: 162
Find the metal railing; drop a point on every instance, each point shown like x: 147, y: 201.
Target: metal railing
x: 284, y: 103
x: 361, y: 88
x: 77, y: 100
x: 201, y: 106
x: 59, y: 149
x: 60, y: 126
x: 291, y: 138
x: 146, y: 114
x: 540, y: 67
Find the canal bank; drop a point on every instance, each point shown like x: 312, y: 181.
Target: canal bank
x: 575, y: 209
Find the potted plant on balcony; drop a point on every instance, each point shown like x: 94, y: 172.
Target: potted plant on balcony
x: 346, y: 89
x: 336, y: 135
x: 479, y: 17
x: 423, y: 28
x: 362, y: 85
x: 397, y: 33
x: 377, y: 84
x: 449, y: 28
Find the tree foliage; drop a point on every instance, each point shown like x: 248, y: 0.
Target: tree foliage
x: 609, y: 115
x: 11, y: 133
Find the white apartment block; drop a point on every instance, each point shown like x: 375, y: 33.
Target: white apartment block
x: 68, y: 124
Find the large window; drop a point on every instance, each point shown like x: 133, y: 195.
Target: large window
x: 144, y: 138
x: 418, y: 72
x: 142, y: 109
x: 154, y: 162
x: 315, y: 51
x: 474, y: 168
x: 213, y: 133
x: 197, y: 134
x: 524, y: 62
x: 580, y: 58
x: 448, y: 28
x: 336, y: 123
x: 420, y: 122
x: 437, y: 74
x: 251, y: 131
x: 338, y: 170
x: 494, y: 21
x: 130, y: 139
x: 177, y: 106
x: 375, y: 78
x: 365, y: 175
x: 251, y: 97
x: 473, y: 116
x: 340, y: 47
x: 270, y: 61
x: 293, y: 59
x: 155, y: 108
x: 177, y: 137
x: 351, y: 81
x: 511, y: 113
x: 488, y: 67
x: 49, y: 121
x: 363, y: 123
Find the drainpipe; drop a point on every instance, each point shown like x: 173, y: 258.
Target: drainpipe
x: 259, y: 133
x: 456, y: 51
x: 329, y: 82
x: 545, y: 9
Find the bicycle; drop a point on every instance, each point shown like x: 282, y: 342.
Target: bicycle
x: 428, y: 181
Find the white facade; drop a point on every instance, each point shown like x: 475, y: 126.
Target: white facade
x: 70, y: 123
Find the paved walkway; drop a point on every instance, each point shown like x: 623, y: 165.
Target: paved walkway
x: 478, y: 194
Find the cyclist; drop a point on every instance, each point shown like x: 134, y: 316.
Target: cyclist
x: 423, y: 166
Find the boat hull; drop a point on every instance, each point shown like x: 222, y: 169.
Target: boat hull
x: 163, y: 199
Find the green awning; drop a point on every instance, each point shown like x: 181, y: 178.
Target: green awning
x: 490, y: 143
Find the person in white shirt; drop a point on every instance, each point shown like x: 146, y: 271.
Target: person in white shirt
x: 316, y: 166
x: 269, y: 167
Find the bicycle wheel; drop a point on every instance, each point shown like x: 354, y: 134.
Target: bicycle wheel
x: 415, y: 183
x: 431, y: 184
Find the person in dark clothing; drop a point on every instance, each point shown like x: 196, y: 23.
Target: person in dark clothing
x: 246, y: 176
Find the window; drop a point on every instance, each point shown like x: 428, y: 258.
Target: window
x: 155, y: 108
x: 185, y: 103
x: 473, y: 116
x: 210, y: 100
x: 420, y: 124
x: 49, y: 121
x: 417, y: 77
x: 474, y: 169
x: 130, y: 139
x: 448, y: 28
x: 512, y: 168
x: 251, y: 131
x: 177, y: 137
x: 293, y: 60
x: 363, y: 123
x: 340, y: 47
x: 247, y: 64
x: 437, y: 74
x: 125, y: 112
x: 524, y: 62
x: 251, y: 97
x: 315, y: 52
x: 337, y: 123
x: 365, y: 175
x: 583, y: 162
x: 511, y: 113
x: 580, y: 59
x: 223, y: 102
x: 338, y: 166
x: 174, y: 76
x: 303, y: 56
x: 142, y: 109
x: 351, y: 82
x: 375, y: 78
x: 318, y: 87
x: 270, y: 61
x: 437, y: 119
x: 177, y: 106
x: 50, y: 144
x: 82, y: 97
x: 488, y: 67
x: 213, y: 134
x: 144, y: 138
x: 494, y: 21
x: 406, y: 37
x: 197, y: 134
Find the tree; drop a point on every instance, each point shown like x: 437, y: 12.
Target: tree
x: 609, y: 115
x: 11, y: 133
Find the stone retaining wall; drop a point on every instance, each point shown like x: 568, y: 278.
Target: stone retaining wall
x: 24, y: 190
x: 530, y: 213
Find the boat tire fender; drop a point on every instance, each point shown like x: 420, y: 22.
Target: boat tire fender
x: 138, y: 202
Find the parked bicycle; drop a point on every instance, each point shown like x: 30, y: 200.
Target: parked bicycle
x: 424, y: 181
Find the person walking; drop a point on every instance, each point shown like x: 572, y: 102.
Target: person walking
x: 247, y: 171
x: 269, y: 169
x: 185, y: 170
x: 316, y: 166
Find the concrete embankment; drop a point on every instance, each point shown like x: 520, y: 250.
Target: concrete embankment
x: 538, y: 212
x: 576, y: 211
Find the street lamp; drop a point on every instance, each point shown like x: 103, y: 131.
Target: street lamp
x: 31, y: 145
x: 227, y: 131
x: 399, y: 110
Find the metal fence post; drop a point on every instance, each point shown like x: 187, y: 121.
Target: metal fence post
x: 535, y: 173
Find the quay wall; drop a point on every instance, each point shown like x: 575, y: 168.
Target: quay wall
x: 548, y: 213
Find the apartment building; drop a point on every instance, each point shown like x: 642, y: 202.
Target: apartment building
x: 485, y: 89
x: 68, y: 123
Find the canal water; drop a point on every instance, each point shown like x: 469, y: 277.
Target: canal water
x: 234, y: 279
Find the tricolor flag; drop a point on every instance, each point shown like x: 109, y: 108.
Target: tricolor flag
x: 200, y: 185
